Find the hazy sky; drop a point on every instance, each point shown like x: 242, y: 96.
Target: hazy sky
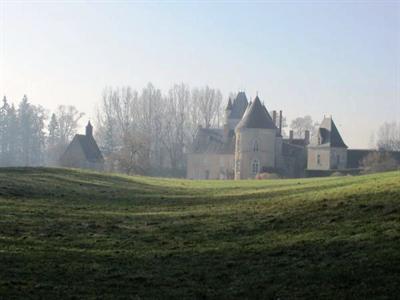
x: 310, y: 57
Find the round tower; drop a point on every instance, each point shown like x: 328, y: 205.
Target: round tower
x: 255, y: 142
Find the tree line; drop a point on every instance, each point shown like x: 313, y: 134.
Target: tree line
x: 28, y: 139
x: 139, y: 131
x: 148, y: 132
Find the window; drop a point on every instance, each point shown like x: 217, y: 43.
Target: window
x: 318, y: 159
x: 319, y: 140
x: 255, y: 167
x: 255, y: 146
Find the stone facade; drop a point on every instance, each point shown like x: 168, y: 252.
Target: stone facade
x: 250, y: 143
x: 255, y: 151
x: 210, y: 166
x: 327, y: 150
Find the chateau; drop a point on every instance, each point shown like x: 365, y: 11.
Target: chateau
x: 251, y: 143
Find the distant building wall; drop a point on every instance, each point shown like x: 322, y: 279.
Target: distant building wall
x: 246, y: 155
x: 326, y: 158
x: 318, y: 158
x: 210, y: 166
x: 338, y: 158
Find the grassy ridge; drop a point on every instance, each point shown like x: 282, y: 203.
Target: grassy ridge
x: 72, y: 234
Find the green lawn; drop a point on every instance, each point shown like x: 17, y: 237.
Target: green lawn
x: 73, y: 234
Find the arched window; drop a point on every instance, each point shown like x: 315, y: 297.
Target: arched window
x: 255, y: 146
x: 255, y: 167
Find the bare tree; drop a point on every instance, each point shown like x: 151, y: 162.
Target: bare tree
x: 68, y: 120
x: 175, y: 123
x: 379, y: 161
x: 389, y: 136
x: 301, y: 124
x: 208, y: 102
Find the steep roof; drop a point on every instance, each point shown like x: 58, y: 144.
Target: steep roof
x: 211, y: 141
x: 239, y: 106
x: 256, y: 116
x: 89, y: 147
x: 229, y: 106
x: 329, y: 134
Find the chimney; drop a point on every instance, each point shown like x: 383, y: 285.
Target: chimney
x: 291, y: 135
x: 89, y: 129
x: 307, y: 137
x: 280, y: 122
x: 274, y: 117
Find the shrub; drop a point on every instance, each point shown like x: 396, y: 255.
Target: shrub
x: 379, y: 162
x: 336, y: 174
x: 267, y: 176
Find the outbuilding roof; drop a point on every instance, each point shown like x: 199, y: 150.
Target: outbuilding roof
x: 88, y: 146
x: 329, y: 134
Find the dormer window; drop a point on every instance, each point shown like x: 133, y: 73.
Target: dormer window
x: 255, y: 146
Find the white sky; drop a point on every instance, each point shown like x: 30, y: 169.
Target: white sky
x: 309, y: 58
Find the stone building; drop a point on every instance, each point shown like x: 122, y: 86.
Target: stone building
x: 249, y: 143
x: 327, y: 150
x: 83, y: 152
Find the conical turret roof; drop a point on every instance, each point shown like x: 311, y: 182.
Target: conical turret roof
x: 257, y: 116
x: 239, y: 106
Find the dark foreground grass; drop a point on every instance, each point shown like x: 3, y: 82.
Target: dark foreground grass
x: 70, y: 234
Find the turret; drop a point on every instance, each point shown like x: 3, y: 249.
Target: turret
x: 255, y: 142
x: 228, y: 111
x: 89, y: 129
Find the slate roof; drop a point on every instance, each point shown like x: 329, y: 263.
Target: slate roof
x: 229, y: 106
x: 89, y: 147
x: 330, y: 135
x: 211, y: 140
x: 239, y: 106
x: 256, y: 116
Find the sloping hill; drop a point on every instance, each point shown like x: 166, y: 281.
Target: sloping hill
x: 74, y: 234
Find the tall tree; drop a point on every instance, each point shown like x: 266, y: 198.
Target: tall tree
x: 68, y: 120
x: 12, y: 136
x: 174, y: 126
x: 4, y: 131
x: 389, y: 136
x: 54, y: 146
x: 25, y: 131
x: 301, y: 124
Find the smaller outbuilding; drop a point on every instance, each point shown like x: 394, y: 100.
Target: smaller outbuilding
x: 83, y: 152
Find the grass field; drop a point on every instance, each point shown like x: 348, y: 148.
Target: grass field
x: 73, y: 234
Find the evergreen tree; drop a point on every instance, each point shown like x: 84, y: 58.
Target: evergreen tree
x: 12, y: 136
x: 24, y: 131
x: 4, y: 132
x: 54, y: 131
x: 38, y: 135
x: 54, y: 147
